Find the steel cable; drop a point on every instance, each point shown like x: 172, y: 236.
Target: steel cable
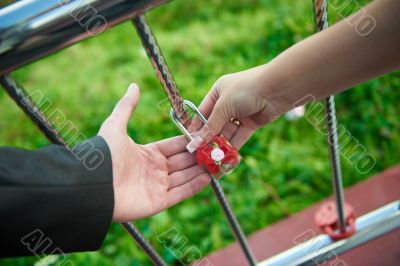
x: 161, y: 68
x: 321, y: 22
x: 166, y: 79
x: 21, y: 98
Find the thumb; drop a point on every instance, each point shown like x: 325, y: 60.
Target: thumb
x: 125, y: 107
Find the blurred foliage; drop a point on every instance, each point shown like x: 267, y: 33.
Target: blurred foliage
x: 285, y: 167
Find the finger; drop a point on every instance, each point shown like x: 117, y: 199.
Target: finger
x: 209, y: 101
x: 241, y: 136
x: 205, y: 108
x: 187, y: 190
x: 181, y: 177
x: 172, y: 146
x: 181, y: 161
x: 218, y: 118
x: 126, y: 105
x: 229, y: 130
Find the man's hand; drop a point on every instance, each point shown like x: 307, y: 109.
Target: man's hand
x: 147, y: 178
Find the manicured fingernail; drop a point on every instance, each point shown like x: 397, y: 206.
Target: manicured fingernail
x: 131, y: 88
x: 194, y: 144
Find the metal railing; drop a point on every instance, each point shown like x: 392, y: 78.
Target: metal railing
x: 30, y: 30
x: 321, y: 23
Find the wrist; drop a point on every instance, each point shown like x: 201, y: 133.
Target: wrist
x: 274, y: 87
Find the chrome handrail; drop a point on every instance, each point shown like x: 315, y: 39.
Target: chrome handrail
x: 32, y: 29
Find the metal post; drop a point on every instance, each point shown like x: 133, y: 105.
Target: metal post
x: 22, y: 99
x: 321, y: 21
x: 161, y: 68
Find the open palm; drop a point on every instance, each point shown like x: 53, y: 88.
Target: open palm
x: 147, y: 178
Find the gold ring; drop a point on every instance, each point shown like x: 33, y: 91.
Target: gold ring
x: 236, y: 121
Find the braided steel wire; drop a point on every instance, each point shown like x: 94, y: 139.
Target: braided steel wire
x: 321, y: 22
x: 321, y: 14
x: 144, y: 244
x: 22, y: 99
x: 233, y: 222
x: 161, y: 68
x: 165, y: 76
x: 30, y: 108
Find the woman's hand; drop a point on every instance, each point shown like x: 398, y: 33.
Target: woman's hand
x: 147, y: 178
x: 237, y: 95
x: 324, y: 64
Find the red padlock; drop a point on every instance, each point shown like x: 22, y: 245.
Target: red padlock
x: 213, y: 151
x: 327, y: 219
x: 218, y: 156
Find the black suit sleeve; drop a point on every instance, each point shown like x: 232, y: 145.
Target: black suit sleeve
x: 54, y: 200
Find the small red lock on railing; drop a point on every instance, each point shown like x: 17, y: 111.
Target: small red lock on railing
x: 327, y: 219
x: 218, y: 156
x: 213, y: 151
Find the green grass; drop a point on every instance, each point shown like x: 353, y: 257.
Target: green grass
x: 285, y: 167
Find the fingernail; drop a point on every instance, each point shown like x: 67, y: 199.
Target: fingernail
x: 132, y: 87
x: 194, y: 144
